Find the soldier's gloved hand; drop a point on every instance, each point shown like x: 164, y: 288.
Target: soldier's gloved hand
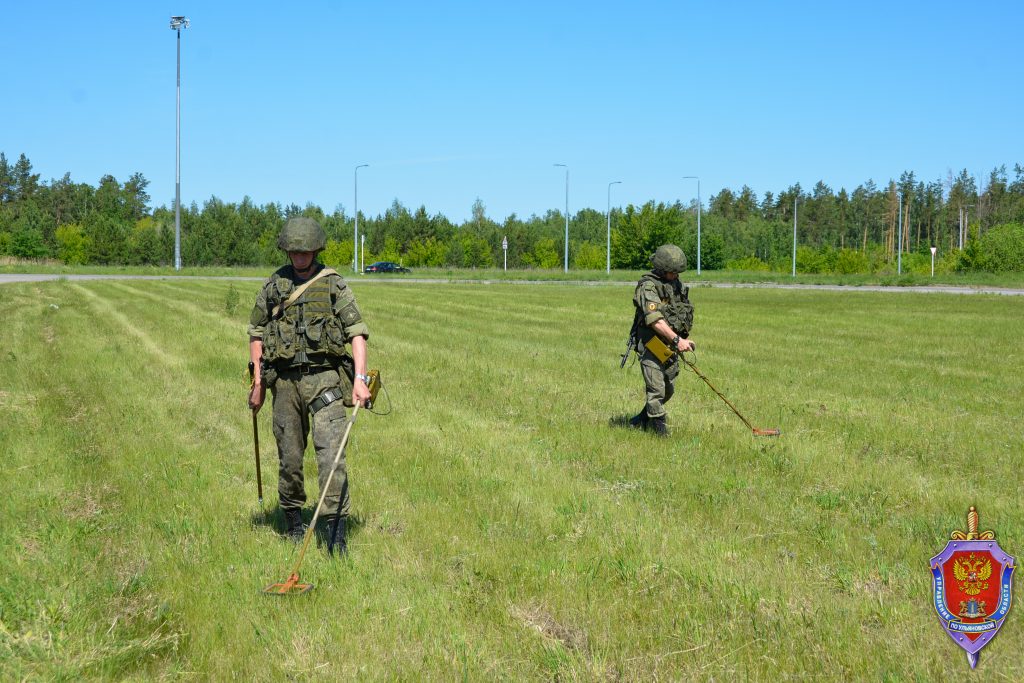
x: 257, y: 395
x: 360, y: 393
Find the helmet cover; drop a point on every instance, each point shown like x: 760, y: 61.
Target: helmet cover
x: 302, y: 234
x: 668, y: 259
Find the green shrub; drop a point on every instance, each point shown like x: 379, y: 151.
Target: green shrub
x: 72, y: 244
x: 144, y: 243
x: 231, y: 299
x: 337, y: 254
x: 1002, y: 249
x: 543, y: 255
x: 748, y: 263
x: 589, y: 256
x: 712, y: 252
x: 810, y: 260
x: 429, y: 252
x: 850, y: 261
x: 27, y: 242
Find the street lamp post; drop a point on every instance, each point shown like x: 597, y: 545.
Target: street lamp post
x: 566, y: 259
x: 608, y: 253
x: 960, y: 234
x: 178, y: 23
x: 795, y: 200
x: 355, y: 230
x: 693, y: 177
x: 899, y: 253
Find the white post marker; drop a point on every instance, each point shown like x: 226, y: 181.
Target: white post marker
x: 362, y: 254
x: 933, y: 261
x: 504, y: 248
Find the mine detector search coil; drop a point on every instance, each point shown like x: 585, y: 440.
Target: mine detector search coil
x: 292, y: 585
x: 692, y: 365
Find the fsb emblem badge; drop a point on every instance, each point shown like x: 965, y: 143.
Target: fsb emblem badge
x: 972, y: 579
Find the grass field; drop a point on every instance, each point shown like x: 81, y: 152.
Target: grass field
x: 505, y: 528
x: 1007, y: 280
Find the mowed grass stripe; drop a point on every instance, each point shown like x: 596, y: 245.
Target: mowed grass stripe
x: 77, y: 579
x: 105, y: 308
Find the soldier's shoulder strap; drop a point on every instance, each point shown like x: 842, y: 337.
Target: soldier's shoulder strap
x: 299, y: 290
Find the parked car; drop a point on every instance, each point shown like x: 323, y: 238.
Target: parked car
x: 386, y: 267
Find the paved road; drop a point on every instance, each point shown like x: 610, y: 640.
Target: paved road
x: 924, y: 289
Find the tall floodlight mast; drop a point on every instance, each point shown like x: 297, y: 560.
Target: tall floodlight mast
x: 178, y: 23
x: 566, y: 216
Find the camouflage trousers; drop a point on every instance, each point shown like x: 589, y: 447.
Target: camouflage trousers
x: 659, y: 381
x: 293, y: 391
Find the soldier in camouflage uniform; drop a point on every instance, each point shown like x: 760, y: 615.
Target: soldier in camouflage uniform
x: 299, y: 348
x: 662, y: 310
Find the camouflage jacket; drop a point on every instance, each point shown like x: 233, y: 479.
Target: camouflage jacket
x: 656, y: 299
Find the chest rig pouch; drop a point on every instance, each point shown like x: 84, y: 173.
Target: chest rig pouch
x: 306, y: 332
x: 675, y: 305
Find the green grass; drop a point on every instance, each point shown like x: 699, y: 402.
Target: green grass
x: 1015, y: 280
x: 506, y: 530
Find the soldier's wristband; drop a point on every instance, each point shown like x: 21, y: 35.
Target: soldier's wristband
x: 675, y: 341
x: 365, y: 378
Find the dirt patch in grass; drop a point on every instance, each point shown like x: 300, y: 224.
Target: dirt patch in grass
x: 874, y: 585
x: 539, y: 619
x: 88, y: 505
x: 394, y: 528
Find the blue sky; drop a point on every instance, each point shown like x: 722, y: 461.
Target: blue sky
x: 451, y: 101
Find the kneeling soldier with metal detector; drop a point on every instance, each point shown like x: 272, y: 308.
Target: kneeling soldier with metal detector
x: 661, y: 326
x: 303, y: 318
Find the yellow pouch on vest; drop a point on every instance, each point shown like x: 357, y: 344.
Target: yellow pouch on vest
x: 660, y: 349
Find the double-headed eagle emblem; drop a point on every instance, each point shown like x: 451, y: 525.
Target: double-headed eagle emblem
x: 973, y: 574
x: 972, y: 566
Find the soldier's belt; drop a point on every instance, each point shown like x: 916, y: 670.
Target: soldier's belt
x: 303, y: 369
x: 313, y: 363
x: 323, y: 400
x: 660, y: 349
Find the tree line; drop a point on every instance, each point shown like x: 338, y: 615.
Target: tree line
x: 972, y: 227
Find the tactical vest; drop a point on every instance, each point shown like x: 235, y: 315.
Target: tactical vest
x: 307, y: 332
x: 676, y: 307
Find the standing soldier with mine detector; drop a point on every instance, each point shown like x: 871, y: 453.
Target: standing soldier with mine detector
x: 304, y: 316
x: 661, y: 325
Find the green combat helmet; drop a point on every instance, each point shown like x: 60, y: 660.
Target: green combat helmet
x: 302, y: 234
x: 668, y: 259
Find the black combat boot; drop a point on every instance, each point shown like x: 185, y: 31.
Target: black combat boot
x: 640, y: 420
x: 332, y: 534
x: 658, y: 426
x: 294, y: 529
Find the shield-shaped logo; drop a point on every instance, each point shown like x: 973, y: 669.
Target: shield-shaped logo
x: 972, y: 579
